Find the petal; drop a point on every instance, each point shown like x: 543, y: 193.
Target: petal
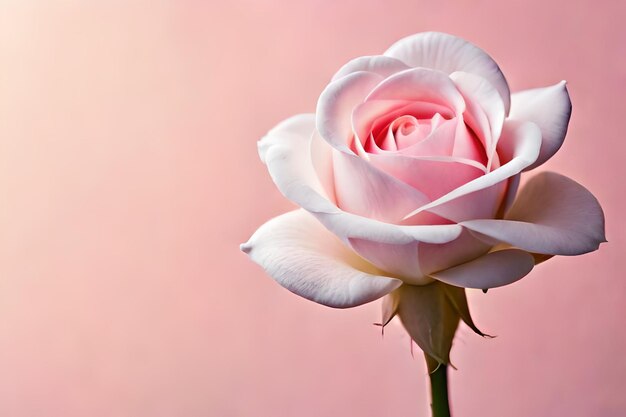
x: 552, y: 215
x: 378, y: 64
x: 550, y: 108
x: 520, y: 144
x: 511, y: 193
x: 440, y: 142
x: 463, y: 249
x: 347, y: 225
x: 296, y: 128
x: 364, y: 190
x: 485, y: 109
x: 431, y: 176
x: 480, y: 204
x: 467, y: 144
x: 413, y: 262
x: 492, y: 270
x: 391, y: 248
x: 335, y: 106
x: 286, y: 150
x: 420, y: 84
x: 400, y: 261
x: 303, y: 257
x: 447, y: 53
x: 322, y: 160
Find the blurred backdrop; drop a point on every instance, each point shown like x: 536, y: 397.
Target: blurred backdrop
x: 129, y: 176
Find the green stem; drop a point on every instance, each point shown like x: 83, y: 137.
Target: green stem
x: 439, y: 389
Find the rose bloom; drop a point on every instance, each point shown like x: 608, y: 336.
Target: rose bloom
x: 408, y: 174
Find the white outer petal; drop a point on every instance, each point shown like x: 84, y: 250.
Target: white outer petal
x: 420, y: 84
x: 286, y: 152
x: 448, y: 53
x: 335, y: 106
x: 378, y: 64
x: 551, y: 215
x: 302, y: 256
x: 549, y: 108
x: 492, y: 270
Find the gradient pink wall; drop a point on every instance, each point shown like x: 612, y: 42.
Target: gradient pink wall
x: 129, y: 175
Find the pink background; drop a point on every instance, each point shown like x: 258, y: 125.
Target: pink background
x: 129, y: 175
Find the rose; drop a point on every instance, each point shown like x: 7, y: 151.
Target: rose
x: 408, y: 175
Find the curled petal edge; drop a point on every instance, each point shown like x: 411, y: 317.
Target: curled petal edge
x: 302, y: 256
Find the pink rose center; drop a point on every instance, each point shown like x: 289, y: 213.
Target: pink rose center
x: 402, y: 132
x: 406, y: 131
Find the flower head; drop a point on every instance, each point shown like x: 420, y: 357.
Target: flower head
x: 407, y: 177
